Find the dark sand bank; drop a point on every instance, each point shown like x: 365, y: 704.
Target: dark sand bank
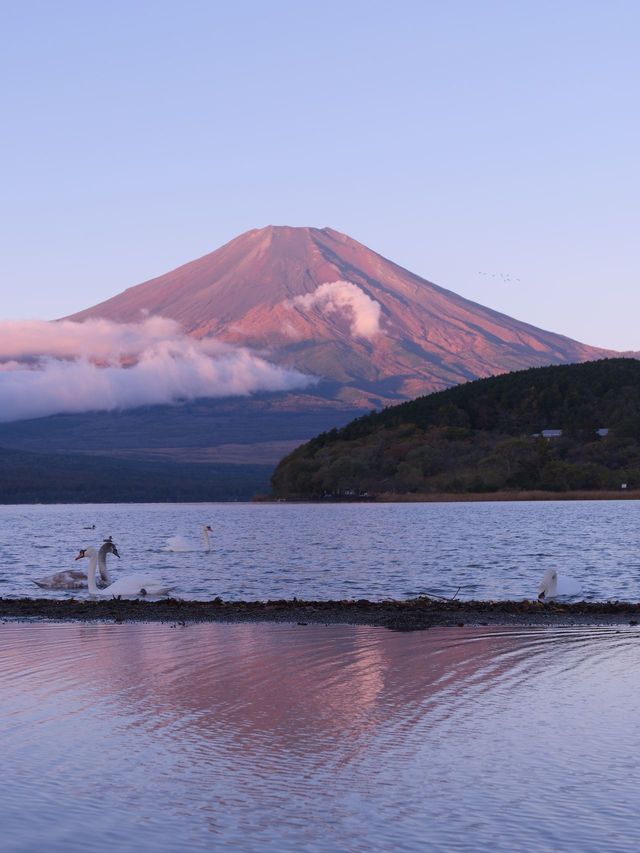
x: 411, y: 615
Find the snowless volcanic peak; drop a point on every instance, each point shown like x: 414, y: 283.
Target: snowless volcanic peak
x: 319, y: 301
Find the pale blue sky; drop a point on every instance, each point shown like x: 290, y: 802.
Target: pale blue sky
x: 452, y: 137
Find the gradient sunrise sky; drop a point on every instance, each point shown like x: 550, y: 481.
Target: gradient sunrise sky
x: 490, y: 147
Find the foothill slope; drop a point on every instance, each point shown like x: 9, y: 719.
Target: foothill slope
x: 560, y: 428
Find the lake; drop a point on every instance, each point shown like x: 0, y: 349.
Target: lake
x: 261, y: 737
x: 259, y: 551
x: 286, y: 738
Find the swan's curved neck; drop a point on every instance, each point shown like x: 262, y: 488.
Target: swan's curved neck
x: 91, y: 574
x: 102, y: 564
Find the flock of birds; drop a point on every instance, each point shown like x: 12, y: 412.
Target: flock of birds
x: 506, y: 277
x: 129, y: 585
x: 97, y: 580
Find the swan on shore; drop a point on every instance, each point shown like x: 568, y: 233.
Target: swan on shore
x: 552, y: 586
x: 137, y: 584
x: 74, y: 579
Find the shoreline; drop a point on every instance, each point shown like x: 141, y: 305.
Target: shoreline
x: 452, y: 497
x: 385, y: 497
x: 416, y: 614
x: 460, y: 497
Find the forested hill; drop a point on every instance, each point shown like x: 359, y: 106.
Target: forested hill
x: 481, y: 436
x: 570, y: 396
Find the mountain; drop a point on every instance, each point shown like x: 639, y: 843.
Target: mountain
x: 319, y: 301
x: 307, y: 298
x: 485, y: 436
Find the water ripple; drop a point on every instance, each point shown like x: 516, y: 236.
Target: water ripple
x: 309, y: 738
x: 497, y: 550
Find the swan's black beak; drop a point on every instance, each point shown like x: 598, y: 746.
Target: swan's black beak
x: 114, y: 551
x: 81, y: 553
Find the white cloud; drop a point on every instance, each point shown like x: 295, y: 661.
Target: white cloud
x: 345, y: 297
x: 49, y: 368
x: 95, y: 339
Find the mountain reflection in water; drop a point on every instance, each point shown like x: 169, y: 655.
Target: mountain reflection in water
x: 262, y: 737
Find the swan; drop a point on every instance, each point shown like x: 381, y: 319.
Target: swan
x: 179, y: 543
x: 206, y: 530
x: 108, y: 547
x: 551, y: 586
x: 131, y: 585
x: 548, y: 587
x: 74, y: 579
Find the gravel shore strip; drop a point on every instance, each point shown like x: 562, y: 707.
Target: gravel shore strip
x: 415, y: 614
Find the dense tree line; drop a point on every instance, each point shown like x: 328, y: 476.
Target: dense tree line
x: 485, y: 436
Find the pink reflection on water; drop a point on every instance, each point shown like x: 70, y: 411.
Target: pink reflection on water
x: 293, y: 688
x: 287, y: 737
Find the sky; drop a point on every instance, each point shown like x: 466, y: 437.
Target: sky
x: 490, y: 147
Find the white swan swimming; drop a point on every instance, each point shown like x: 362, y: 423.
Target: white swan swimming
x: 548, y: 587
x: 206, y: 530
x: 130, y: 585
x: 74, y: 579
x: 551, y: 586
x: 179, y: 543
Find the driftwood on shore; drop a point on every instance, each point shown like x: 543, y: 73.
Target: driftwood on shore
x: 402, y: 615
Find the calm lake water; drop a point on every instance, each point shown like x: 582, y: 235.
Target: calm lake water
x: 258, y: 551
x: 285, y: 738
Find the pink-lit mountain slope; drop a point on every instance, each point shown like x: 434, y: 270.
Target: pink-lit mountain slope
x: 316, y: 300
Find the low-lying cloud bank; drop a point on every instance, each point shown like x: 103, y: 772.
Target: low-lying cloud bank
x: 50, y: 368
x: 347, y: 298
x: 94, y: 339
